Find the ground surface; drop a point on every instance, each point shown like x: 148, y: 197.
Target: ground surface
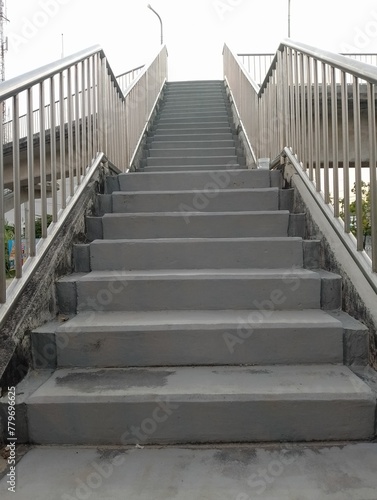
x: 286, y: 472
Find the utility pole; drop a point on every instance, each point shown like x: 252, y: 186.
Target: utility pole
x: 3, y: 48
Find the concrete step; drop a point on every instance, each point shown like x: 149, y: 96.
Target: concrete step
x: 227, y: 200
x: 172, y: 289
x: 196, y: 253
x: 195, y: 225
x: 154, y: 139
x: 192, y: 128
x: 192, y: 160
x: 190, y: 144
x: 192, y: 152
x: 125, y: 339
x: 202, y: 114
x: 194, y: 120
x: 200, y: 180
x: 190, y: 168
x: 203, y: 105
x: 201, y: 405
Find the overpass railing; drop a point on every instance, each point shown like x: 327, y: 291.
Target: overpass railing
x: 301, y: 111
x: 83, y: 120
x: 257, y: 64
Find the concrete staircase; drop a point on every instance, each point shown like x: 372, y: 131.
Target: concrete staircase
x: 192, y: 317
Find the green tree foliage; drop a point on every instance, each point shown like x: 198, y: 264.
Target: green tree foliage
x: 366, y: 210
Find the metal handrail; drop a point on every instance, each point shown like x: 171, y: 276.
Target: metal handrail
x: 257, y: 64
x: 320, y: 106
x: 125, y: 79
x: 76, y: 116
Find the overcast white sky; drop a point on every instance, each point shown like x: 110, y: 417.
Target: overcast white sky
x: 195, y: 30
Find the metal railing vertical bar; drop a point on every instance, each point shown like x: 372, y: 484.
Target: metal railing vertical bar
x: 84, y: 157
x: 345, y: 134
x: 325, y: 137
x: 358, y: 175
x: 297, y: 102
x: 70, y: 133
x: 42, y: 159
x: 335, y: 141
x: 63, y: 189
x: 17, y: 190
x: 30, y: 224
x: 317, y: 129
x: 372, y: 170
x: 89, y: 96
x: 3, y: 275
x: 95, y: 105
x: 77, y: 123
x: 292, y: 110
x: 53, y: 151
x: 303, y: 111
x: 310, y: 115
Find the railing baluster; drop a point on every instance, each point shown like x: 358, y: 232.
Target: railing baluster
x: 30, y: 223
x: 62, y: 143
x: 42, y: 159
x: 3, y: 276
x: 345, y: 131
x: 372, y: 169
x: 325, y: 130
x: 358, y: 180
x: 335, y: 140
x: 54, y: 181
x: 17, y: 188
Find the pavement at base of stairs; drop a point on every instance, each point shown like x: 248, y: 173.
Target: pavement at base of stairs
x: 243, y: 472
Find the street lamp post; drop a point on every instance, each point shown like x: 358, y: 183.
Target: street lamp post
x: 162, y: 31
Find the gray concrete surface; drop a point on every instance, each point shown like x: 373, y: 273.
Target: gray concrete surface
x: 201, y: 405
x: 285, y: 472
x: 271, y: 289
x: 194, y: 253
x: 186, y: 224
x: 196, y: 201
x: 174, y: 338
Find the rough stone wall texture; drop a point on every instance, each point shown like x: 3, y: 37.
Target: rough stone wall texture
x: 38, y: 303
x: 351, y: 300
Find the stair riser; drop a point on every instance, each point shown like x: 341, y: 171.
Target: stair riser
x: 274, y: 293
x: 191, y: 152
x: 247, y: 344
x: 192, y: 160
x: 210, y: 201
x: 197, y: 128
x: 192, y: 114
x: 202, y: 181
x: 173, y: 421
x: 190, y: 168
x: 191, y: 254
x: 196, y: 120
x: 187, y: 136
x: 187, y: 144
x: 198, y: 107
x: 190, y: 225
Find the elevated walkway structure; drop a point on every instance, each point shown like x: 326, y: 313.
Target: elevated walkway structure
x: 189, y: 294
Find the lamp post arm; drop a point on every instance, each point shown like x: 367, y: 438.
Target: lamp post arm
x: 162, y: 28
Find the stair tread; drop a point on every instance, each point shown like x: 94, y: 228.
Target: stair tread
x: 225, y: 192
x: 201, y: 273
x: 113, y: 321
x: 200, y: 384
